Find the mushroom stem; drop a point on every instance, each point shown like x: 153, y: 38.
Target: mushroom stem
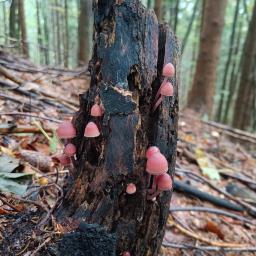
x: 155, y: 194
x: 153, y: 189
x: 159, y: 90
x: 157, y: 103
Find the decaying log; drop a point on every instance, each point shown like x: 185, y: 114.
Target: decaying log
x: 130, y: 49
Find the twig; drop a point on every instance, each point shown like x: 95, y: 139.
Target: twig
x: 249, y: 207
x: 212, y: 210
x: 208, y: 248
x: 46, y: 241
x: 240, y: 178
x: 29, y: 115
x: 202, y: 239
x: 7, y: 203
x: 236, y: 133
x: 20, y: 129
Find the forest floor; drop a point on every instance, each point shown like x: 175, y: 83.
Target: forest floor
x: 217, y: 163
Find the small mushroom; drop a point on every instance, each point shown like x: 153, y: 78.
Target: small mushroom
x: 151, y: 151
x: 168, y: 72
x: 130, y: 189
x: 96, y: 110
x: 166, y: 90
x: 91, y: 130
x: 157, y: 164
x: 70, y: 149
x: 66, y: 130
x: 164, y: 183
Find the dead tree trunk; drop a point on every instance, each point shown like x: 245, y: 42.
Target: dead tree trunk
x: 130, y: 49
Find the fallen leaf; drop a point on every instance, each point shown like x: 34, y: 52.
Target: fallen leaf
x: 8, y: 163
x: 213, y: 228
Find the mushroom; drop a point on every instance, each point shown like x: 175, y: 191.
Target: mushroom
x: 164, y: 183
x: 126, y: 254
x: 91, y: 130
x: 70, y: 149
x: 151, y: 151
x: 157, y: 164
x: 130, y: 189
x: 96, y: 110
x: 166, y: 90
x: 66, y: 130
x: 168, y: 72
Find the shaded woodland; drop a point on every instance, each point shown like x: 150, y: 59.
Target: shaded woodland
x: 98, y: 69
x: 48, y: 34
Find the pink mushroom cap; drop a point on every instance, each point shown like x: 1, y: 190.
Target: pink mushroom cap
x: 169, y: 70
x: 91, y: 130
x: 167, y: 89
x: 96, y: 110
x: 70, y: 149
x: 151, y: 151
x: 126, y: 254
x: 66, y: 130
x: 157, y: 164
x: 130, y: 189
x: 164, y: 182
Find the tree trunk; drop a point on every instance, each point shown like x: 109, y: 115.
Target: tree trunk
x: 201, y: 95
x: 244, y: 100
x: 12, y: 21
x: 130, y: 49
x: 39, y: 31
x: 84, y: 31
x: 176, y: 16
x: 66, y: 42
x: 227, y: 66
x: 189, y: 29
x: 158, y: 9
x: 22, y: 22
x: 234, y: 76
x: 59, y: 40
x: 46, y: 32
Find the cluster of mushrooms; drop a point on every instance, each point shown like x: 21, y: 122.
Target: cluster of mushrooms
x: 157, y: 165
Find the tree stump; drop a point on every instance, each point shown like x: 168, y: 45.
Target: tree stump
x: 130, y: 49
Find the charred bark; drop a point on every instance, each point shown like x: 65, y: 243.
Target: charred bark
x: 130, y: 49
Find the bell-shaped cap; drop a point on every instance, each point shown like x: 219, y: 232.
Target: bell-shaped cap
x: 164, y: 182
x: 157, y: 164
x: 91, y: 130
x: 169, y: 70
x: 66, y: 130
x: 96, y: 110
x: 70, y: 149
x: 167, y: 89
x: 151, y: 151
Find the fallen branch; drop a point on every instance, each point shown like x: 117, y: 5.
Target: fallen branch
x: 30, y: 115
x: 202, y: 239
x: 192, y: 191
x: 46, y: 241
x: 250, y: 208
x: 12, y: 128
x: 212, y: 210
x: 208, y: 248
x: 37, y: 159
x: 37, y: 89
x: 9, y: 204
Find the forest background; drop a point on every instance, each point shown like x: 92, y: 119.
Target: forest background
x: 59, y: 33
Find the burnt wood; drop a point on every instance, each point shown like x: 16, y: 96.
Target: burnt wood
x: 130, y: 49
